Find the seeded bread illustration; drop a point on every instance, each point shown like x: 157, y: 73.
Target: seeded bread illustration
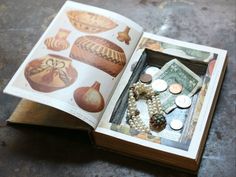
x: 100, y: 53
x: 89, y: 22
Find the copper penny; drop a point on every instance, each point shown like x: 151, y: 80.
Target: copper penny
x: 146, y: 78
x: 175, y: 88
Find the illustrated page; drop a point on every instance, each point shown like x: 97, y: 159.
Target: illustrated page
x: 158, y: 101
x: 78, y: 61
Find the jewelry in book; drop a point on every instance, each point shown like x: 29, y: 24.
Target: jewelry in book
x: 156, y: 114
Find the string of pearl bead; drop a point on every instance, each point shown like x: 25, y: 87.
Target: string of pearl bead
x: 153, y: 101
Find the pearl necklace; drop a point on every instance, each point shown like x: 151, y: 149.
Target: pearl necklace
x: 157, y: 119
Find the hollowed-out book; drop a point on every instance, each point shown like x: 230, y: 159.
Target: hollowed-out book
x: 136, y: 93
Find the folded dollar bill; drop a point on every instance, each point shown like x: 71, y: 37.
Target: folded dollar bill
x: 176, y: 72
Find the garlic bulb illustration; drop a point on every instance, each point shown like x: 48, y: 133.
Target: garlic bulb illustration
x: 124, y: 36
x: 89, y: 98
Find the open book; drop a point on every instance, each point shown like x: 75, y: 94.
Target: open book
x: 140, y: 94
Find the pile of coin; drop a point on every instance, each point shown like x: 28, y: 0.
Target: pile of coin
x: 160, y: 85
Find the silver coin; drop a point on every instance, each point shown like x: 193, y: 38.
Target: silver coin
x: 159, y: 85
x: 183, y: 101
x: 152, y: 70
x: 176, y: 124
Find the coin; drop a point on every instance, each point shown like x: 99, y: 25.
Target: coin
x: 146, y: 78
x: 159, y: 85
x: 183, y: 101
x: 152, y: 70
x: 176, y: 124
x: 175, y: 88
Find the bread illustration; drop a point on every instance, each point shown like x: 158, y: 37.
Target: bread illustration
x: 89, y: 22
x: 100, y: 53
x: 58, y: 42
x: 50, y: 73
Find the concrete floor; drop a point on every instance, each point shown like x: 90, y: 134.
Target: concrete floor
x: 41, y: 152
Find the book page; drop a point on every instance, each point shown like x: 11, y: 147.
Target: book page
x: 78, y: 61
x: 182, y: 139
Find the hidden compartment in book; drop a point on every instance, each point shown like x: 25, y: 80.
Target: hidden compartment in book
x: 162, y: 99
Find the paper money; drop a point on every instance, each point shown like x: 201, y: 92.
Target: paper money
x: 176, y: 72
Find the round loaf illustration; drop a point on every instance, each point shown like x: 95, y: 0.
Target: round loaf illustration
x: 89, y: 22
x: 100, y: 53
x: 50, y: 73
